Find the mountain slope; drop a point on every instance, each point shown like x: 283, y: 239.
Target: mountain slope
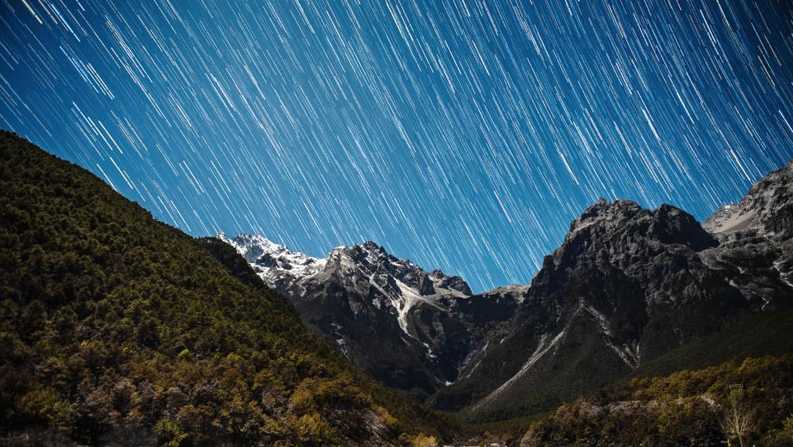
x: 116, y: 328
x: 626, y: 420
x: 625, y: 285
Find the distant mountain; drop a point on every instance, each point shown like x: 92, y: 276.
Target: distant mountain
x: 627, y: 286
x: 411, y: 329
x: 116, y: 329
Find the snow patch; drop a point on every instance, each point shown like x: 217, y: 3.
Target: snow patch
x: 409, y: 298
x: 430, y: 354
x: 471, y: 356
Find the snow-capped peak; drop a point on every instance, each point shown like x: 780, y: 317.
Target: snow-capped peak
x: 397, y: 283
x: 251, y: 246
x: 273, y: 262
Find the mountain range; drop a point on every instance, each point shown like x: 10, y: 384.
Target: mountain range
x: 644, y: 326
x: 627, y: 286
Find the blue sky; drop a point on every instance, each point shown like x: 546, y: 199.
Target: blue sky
x: 461, y: 135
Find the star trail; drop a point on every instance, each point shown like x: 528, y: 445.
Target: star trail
x: 462, y: 135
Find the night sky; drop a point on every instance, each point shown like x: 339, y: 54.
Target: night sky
x: 463, y: 136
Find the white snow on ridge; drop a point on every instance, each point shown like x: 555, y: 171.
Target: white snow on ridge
x: 277, y: 265
x: 409, y: 298
x: 281, y: 262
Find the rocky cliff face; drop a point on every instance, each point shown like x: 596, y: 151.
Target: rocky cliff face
x: 626, y: 285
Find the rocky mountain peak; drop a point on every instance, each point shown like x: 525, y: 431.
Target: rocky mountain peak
x: 281, y: 268
x: 251, y: 246
x: 369, y: 258
x: 622, y: 232
x: 672, y: 225
x: 756, y: 241
x: 450, y: 282
x: 369, y: 255
x: 627, y: 284
x: 667, y: 224
x: 604, y: 213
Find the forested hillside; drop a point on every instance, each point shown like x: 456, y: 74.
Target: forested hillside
x: 748, y: 402
x: 116, y: 327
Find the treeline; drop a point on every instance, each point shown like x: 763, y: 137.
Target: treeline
x: 738, y: 403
